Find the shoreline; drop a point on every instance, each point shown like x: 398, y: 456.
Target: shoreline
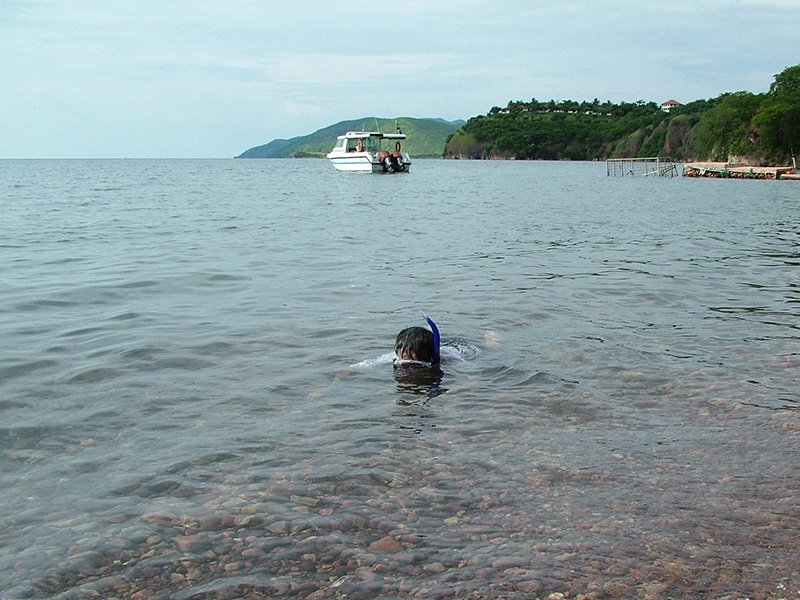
x: 722, y: 170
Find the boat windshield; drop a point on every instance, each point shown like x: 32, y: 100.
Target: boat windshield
x: 363, y: 144
x: 373, y: 144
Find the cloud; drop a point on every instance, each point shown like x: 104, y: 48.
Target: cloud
x: 82, y: 71
x: 301, y: 109
x: 340, y: 69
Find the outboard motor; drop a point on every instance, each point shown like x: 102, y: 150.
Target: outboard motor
x: 386, y: 161
x: 397, y: 158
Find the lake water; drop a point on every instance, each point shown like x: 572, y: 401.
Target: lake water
x: 195, y: 401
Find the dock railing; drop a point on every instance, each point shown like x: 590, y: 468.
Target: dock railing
x: 646, y: 167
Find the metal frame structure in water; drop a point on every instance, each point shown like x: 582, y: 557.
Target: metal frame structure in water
x: 647, y: 167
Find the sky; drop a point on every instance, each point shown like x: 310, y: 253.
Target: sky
x: 212, y: 78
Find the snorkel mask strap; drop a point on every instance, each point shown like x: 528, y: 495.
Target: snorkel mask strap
x: 436, y: 339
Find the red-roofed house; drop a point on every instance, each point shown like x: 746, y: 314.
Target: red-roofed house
x: 666, y: 106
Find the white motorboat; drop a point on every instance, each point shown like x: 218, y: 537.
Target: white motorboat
x: 363, y: 151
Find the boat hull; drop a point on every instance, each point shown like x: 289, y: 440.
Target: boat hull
x: 364, y: 162
x: 357, y: 162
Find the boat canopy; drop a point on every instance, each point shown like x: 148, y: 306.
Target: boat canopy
x: 377, y: 134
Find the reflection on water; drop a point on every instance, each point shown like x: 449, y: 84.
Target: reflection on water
x: 419, y: 379
x: 179, y: 419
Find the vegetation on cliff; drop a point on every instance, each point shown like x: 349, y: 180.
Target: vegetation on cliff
x: 571, y: 130
x: 426, y: 138
x: 760, y: 128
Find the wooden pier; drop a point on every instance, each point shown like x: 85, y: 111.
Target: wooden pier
x: 643, y: 167
x: 727, y: 170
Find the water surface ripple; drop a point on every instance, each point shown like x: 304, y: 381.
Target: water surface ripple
x: 193, y: 402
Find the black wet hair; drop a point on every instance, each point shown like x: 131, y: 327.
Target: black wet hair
x: 417, y: 340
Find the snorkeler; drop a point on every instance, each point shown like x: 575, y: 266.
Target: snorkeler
x: 418, y: 344
x: 416, y: 361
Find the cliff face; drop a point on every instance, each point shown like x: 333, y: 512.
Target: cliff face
x: 577, y: 139
x: 464, y: 145
x: 681, y: 139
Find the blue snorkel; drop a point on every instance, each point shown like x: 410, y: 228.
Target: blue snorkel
x: 436, y: 340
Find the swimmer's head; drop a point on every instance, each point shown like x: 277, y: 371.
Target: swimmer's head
x: 415, y: 343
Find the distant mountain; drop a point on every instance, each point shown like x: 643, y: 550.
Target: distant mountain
x: 426, y: 138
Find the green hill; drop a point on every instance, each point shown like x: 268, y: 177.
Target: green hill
x: 569, y: 130
x: 740, y: 127
x: 426, y: 138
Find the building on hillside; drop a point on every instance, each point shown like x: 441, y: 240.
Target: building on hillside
x: 669, y: 104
